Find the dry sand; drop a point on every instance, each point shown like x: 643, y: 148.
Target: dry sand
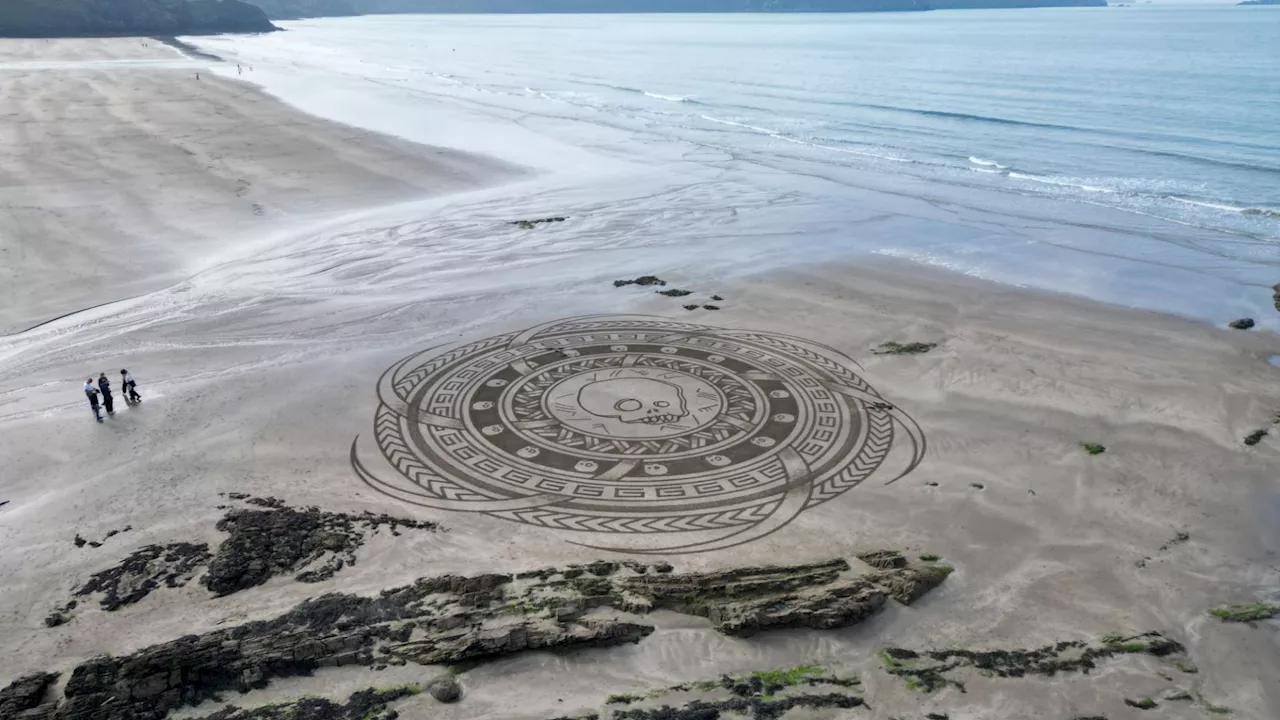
x: 266, y: 397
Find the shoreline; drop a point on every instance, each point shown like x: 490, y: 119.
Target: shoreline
x: 1101, y: 252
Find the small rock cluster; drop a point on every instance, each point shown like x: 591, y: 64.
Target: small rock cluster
x: 278, y: 540
x: 135, y: 577
x: 650, y: 280
x: 895, y: 348
x: 531, y: 224
x: 81, y: 542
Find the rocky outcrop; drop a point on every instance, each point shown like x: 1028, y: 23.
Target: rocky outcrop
x: 94, y: 18
x: 280, y: 540
x: 24, y: 698
x: 884, y: 559
x: 370, y: 704
x: 262, y: 543
x: 1241, y: 324
x: 743, y: 602
x: 765, y: 695
x: 932, y: 670
x: 908, y: 584
x: 454, y: 619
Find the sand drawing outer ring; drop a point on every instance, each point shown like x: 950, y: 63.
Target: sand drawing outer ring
x: 751, y: 429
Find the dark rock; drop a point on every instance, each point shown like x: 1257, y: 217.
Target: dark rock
x: 1064, y: 657
x: 281, y: 540
x: 883, y: 559
x: 745, y: 601
x: 1241, y: 324
x: 690, y: 307
x: 530, y: 224
x: 645, y: 280
x: 21, y: 698
x: 368, y: 704
x: 674, y: 292
x: 602, y: 568
x: 79, y: 541
x: 445, y: 689
x: 1255, y: 437
x: 145, y: 570
x: 717, y: 298
x: 455, y: 619
x: 756, y: 707
x: 914, y: 348
x: 710, y: 307
x: 1178, y: 539
x: 908, y: 584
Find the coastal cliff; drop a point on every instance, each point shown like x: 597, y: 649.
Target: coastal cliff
x: 92, y: 18
x: 295, y: 9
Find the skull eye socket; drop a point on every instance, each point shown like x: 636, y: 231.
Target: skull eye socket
x: 627, y: 405
x: 662, y: 403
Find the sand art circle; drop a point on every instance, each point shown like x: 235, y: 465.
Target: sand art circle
x: 635, y: 426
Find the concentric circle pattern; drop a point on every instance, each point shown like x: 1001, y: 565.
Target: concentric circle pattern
x: 632, y: 425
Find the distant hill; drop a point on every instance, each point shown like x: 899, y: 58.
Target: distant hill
x: 92, y: 18
x: 1259, y: 2
x: 1011, y: 4
x: 294, y: 9
x: 288, y: 9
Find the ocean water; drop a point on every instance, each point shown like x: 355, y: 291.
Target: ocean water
x: 1128, y: 154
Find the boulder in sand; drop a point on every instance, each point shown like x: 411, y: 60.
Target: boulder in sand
x: 445, y: 689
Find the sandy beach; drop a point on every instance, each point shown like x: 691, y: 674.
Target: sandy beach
x: 210, y: 227
x: 119, y: 166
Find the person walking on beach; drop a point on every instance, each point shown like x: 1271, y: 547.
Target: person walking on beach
x: 105, y: 386
x: 129, y: 387
x: 92, y: 392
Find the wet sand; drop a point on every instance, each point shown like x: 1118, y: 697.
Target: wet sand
x: 117, y: 167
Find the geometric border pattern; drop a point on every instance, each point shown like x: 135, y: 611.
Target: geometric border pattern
x: 462, y: 429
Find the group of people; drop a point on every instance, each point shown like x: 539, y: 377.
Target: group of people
x: 103, y: 388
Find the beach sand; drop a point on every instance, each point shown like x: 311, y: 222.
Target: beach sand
x: 117, y: 166
x: 264, y: 395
